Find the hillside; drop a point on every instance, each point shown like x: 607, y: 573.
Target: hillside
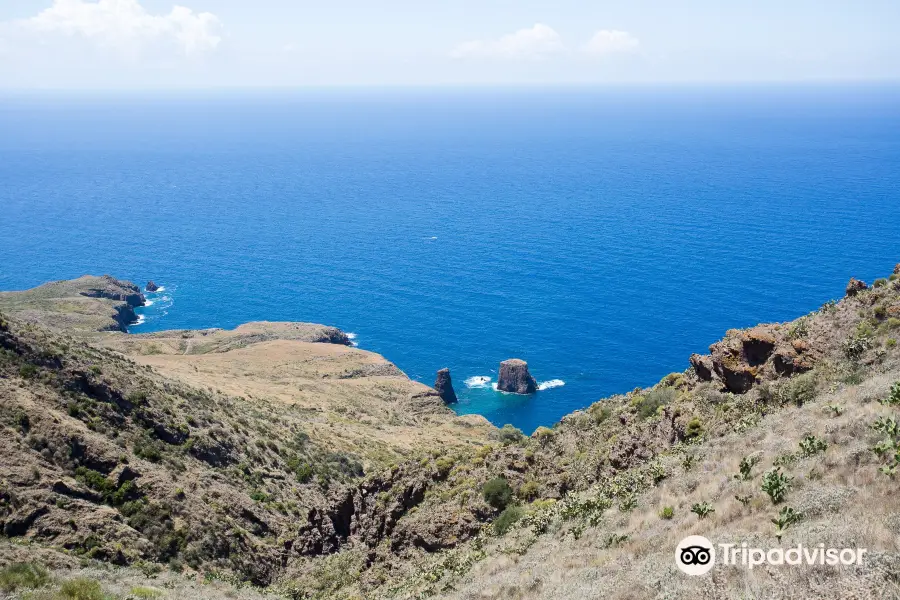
x: 224, y: 453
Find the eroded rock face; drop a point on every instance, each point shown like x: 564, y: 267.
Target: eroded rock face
x: 151, y: 286
x: 515, y: 378
x: 444, y: 386
x: 897, y: 269
x: 746, y: 357
x: 856, y: 286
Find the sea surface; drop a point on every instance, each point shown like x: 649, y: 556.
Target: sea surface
x: 603, y: 235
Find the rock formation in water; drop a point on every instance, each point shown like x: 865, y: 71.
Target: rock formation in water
x: 856, y: 286
x: 515, y: 378
x: 444, y: 386
x: 151, y: 286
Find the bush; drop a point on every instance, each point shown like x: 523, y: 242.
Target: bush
x: 23, y: 576
x: 667, y: 513
x: 881, y: 282
x: 776, y: 484
x: 529, y: 490
x: 893, y: 398
x: 811, y: 445
x: 784, y: 519
x: 148, y: 448
x: 694, y: 428
x: 649, y: 404
x: 81, y: 589
x: 507, y: 519
x: 510, y: 435
x: 27, y: 371
x: 702, y: 509
x: 746, y: 466
x: 497, y: 493
x: 881, y: 312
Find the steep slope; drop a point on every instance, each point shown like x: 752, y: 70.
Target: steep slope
x: 581, y: 513
x: 592, y: 507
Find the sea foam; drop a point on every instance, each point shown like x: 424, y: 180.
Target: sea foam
x: 546, y: 385
x: 479, y: 381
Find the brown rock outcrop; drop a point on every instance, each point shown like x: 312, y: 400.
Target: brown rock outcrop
x: 151, y: 286
x: 515, y: 378
x: 746, y: 357
x: 855, y: 286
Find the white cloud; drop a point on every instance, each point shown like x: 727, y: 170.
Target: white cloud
x: 536, y: 42
x: 611, y: 41
x: 125, y: 24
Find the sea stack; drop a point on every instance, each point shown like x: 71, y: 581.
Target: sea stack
x: 515, y: 378
x: 151, y: 286
x: 444, y: 386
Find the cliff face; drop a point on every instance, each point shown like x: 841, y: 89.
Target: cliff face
x: 241, y: 451
x: 86, y: 304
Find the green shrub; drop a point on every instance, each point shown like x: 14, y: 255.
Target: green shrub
x: 799, y: 329
x: 656, y: 398
x: 811, y: 445
x: 543, y: 435
x: 667, y: 513
x: 27, y: 371
x: 529, y: 490
x: 702, y: 509
x: 787, y: 517
x: 81, y: 588
x: 881, y: 282
x: 600, y: 412
x: 694, y: 429
x: 776, y: 484
x: 507, y: 519
x: 746, y: 466
x: 881, y: 312
x: 23, y: 576
x: 145, y: 593
x: 148, y: 448
x: 510, y: 435
x: 890, y: 342
x: 497, y: 493
x: 893, y: 398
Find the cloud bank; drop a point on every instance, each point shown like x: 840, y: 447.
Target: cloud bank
x: 537, y: 42
x: 125, y: 24
x: 611, y: 41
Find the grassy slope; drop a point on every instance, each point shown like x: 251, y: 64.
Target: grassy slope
x: 592, y: 488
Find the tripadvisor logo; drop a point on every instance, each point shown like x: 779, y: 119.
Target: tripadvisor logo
x: 696, y: 555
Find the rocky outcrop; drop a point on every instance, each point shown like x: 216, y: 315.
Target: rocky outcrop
x: 855, y: 286
x: 151, y: 286
x: 111, y: 289
x: 897, y: 269
x: 746, y: 357
x: 444, y: 386
x: 515, y: 378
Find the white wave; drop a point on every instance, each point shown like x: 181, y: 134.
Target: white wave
x: 479, y: 381
x: 161, y: 288
x: 546, y: 385
x: 351, y: 336
x: 148, y: 303
x: 140, y: 321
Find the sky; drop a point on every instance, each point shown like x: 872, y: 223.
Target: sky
x: 125, y: 44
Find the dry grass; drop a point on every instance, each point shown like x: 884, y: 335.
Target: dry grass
x: 845, y: 500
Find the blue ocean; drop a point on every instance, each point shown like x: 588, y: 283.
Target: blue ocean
x: 603, y: 235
